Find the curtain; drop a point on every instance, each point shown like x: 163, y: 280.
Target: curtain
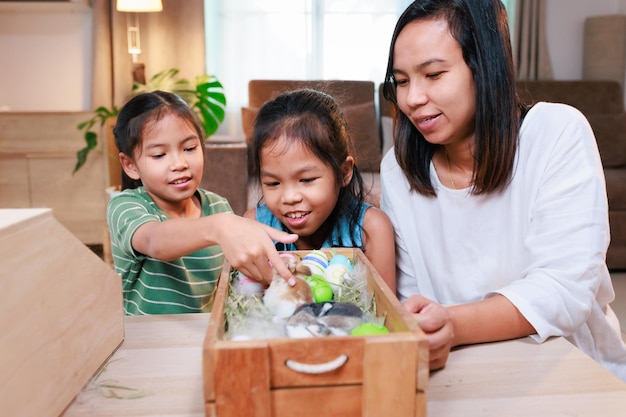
x: 530, y: 44
x: 295, y: 40
x: 173, y: 38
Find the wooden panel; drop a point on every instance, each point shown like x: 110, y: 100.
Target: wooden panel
x: 14, y: 185
x: 37, y: 156
x: 41, y: 131
x: 316, y: 351
x: 79, y: 200
x: 344, y: 401
x: 390, y: 373
x: 397, y: 319
x: 242, y: 393
x: 214, y: 333
x: 60, y: 313
x: 421, y: 405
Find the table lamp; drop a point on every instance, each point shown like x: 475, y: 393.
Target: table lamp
x: 132, y: 30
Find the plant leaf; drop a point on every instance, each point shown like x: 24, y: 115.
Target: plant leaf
x: 211, y: 104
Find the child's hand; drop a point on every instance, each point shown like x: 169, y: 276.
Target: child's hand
x: 248, y: 245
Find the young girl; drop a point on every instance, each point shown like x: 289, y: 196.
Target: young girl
x: 165, y: 231
x: 311, y: 186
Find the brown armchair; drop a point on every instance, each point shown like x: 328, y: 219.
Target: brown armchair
x: 603, y: 104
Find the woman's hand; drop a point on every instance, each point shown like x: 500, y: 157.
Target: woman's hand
x: 436, y: 322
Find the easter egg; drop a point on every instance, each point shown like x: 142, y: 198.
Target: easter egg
x: 317, y: 261
x: 339, y: 259
x: 320, y: 288
x: 335, y: 274
x: 369, y: 328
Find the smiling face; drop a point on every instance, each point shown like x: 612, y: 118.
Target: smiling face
x: 435, y: 88
x: 169, y: 163
x: 299, y: 189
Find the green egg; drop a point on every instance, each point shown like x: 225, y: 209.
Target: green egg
x: 369, y: 328
x: 321, y: 289
x: 322, y: 293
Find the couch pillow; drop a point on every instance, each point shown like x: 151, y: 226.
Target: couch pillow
x: 386, y: 126
x: 363, y: 129
x: 248, y: 116
x: 610, y: 132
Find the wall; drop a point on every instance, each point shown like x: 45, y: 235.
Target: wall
x: 50, y: 52
x: 566, y: 20
x: 46, y: 58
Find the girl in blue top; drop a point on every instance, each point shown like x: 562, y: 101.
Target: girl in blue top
x: 302, y: 157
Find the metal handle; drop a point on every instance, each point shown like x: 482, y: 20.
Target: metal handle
x: 318, y: 368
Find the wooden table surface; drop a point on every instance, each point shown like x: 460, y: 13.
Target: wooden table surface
x: 160, y: 363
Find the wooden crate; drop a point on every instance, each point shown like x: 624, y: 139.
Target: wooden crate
x: 384, y: 375
x: 60, y: 313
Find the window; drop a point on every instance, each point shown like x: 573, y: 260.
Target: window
x: 510, y: 10
x: 295, y: 39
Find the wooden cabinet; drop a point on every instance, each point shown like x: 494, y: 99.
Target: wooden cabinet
x: 37, y: 156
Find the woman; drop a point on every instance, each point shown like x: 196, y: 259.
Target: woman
x: 500, y: 211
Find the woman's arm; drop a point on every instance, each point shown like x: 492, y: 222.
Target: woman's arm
x: 492, y: 319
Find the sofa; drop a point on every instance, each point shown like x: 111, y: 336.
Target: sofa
x: 369, y: 118
x: 602, y: 103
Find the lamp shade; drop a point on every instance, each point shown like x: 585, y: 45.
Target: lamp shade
x: 139, y: 5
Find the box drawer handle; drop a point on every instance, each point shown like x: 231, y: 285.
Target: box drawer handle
x: 318, y: 368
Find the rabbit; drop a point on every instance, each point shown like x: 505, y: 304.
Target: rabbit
x: 324, y: 319
x: 280, y: 298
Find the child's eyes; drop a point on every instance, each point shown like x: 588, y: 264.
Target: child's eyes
x: 271, y: 183
x: 434, y: 75
x: 157, y: 156
x: 308, y: 180
x: 191, y: 148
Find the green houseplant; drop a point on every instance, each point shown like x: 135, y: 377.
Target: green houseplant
x: 205, y: 95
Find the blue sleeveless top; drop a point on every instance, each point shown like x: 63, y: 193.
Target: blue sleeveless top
x: 339, y: 237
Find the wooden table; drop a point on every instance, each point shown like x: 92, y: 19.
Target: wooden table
x: 160, y: 362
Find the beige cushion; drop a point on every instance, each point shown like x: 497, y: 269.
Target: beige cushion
x: 363, y: 129
x: 386, y: 126
x: 610, y: 132
x: 248, y: 116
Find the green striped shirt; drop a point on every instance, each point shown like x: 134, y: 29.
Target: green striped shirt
x: 150, y: 286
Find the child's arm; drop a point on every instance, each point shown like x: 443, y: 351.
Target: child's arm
x: 250, y: 213
x: 379, y: 245
x: 246, y: 243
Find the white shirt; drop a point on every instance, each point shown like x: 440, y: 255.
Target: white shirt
x: 541, y: 242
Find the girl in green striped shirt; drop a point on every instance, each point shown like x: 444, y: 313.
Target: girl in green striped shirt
x: 169, y: 237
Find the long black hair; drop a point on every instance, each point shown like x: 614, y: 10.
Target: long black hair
x: 140, y: 110
x: 481, y: 28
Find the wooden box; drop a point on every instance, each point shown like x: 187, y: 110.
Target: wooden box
x: 61, y: 314
x: 385, y: 375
